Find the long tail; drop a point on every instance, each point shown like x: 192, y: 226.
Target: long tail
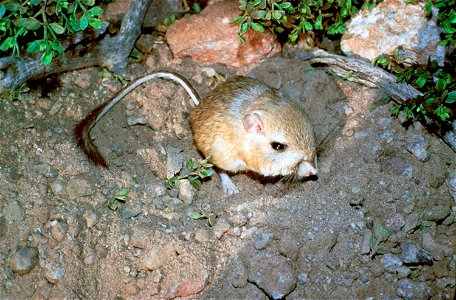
x: 81, y: 132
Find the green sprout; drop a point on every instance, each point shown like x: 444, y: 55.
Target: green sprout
x: 194, y: 171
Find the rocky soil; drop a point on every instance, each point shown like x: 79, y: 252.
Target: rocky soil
x: 378, y: 223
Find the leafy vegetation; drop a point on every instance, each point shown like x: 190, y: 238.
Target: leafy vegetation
x: 437, y: 83
x: 379, y: 235
x: 295, y: 18
x: 36, y: 26
x: 121, y: 196
x: 204, y: 214
x: 194, y: 171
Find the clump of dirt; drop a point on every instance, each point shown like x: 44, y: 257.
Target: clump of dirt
x: 379, y: 222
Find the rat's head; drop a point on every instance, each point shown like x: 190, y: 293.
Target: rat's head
x: 280, y: 141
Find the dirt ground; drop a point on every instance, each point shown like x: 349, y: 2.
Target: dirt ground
x: 378, y: 223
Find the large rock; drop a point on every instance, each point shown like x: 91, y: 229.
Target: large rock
x: 210, y: 37
x: 389, y: 25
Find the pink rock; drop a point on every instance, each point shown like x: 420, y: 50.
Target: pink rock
x: 210, y: 37
x: 185, y: 289
x: 389, y: 25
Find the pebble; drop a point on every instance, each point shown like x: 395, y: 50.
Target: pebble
x: 437, y: 213
x: 429, y: 244
x: 409, y: 289
x: 364, y: 278
x: 156, y: 189
x: 262, y: 240
x: 384, y: 122
x: 174, y: 160
x: 386, y: 136
x: 141, y: 237
x: 129, y: 211
x: 118, y: 150
x: 131, y: 120
x: 397, y: 166
x: 221, y: 227
x: 302, y: 278
x: 395, y: 222
x: 411, y: 222
x: 91, y: 218
x: 451, y: 183
x: 58, y: 231
x: 271, y: 273
x: 391, y: 262
x: 418, y: 146
x: 54, y: 274
x: 23, y: 260
x: 202, y: 235
x: 361, y: 134
x: 365, y: 245
x: 239, y: 275
x: 157, y: 256
x: 186, y: 191
x: 289, y: 246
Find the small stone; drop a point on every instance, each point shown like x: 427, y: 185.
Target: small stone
x: 221, y: 227
x: 418, y: 146
x: 289, y: 246
x: 365, y: 246
x: 186, y: 191
x: 23, y: 260
x: 409, y: 289
x: 411, y: 222
x: 54, y: 274
x: 364, y: 278
x: 435, y: 249
x: 58, y: 231
x: 156, y: 189
x: 239, y: 275
x: 391, y: 262
x: 174, y: 160
x: 302, y: 278
x: 129, y: 211
x: 157, y: 256
x: 395, y: 222
x: 91, y: 218
x: 118, y: 150
x: 141, y: 237
x: 131, y: 121
x: 412, y: 254
x: 397, y: 166
x: 437, y: 213
x: 202, y: 236
x: 387, y: 136
x: 262, y: 239
x: 451, y: 183
x: 361, y: 134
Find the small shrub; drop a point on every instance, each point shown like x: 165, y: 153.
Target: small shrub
x: 36, y: 26
x: 194, y: 171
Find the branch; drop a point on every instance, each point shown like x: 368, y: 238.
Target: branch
x: 362, y: 72
x: 109, y: 52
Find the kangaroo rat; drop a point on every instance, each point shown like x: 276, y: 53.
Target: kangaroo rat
x: 242, y: 125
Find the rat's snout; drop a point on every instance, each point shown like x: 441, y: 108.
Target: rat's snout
x: 307, y: 168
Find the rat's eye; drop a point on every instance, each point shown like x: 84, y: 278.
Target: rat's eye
x: 278, y: 146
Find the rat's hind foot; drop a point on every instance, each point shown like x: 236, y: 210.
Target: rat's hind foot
x: 228, y: 187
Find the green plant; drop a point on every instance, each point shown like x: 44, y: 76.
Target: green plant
x: 437, y: 83
x: 422, y: 224
x: 121, y: 196
x: 295, y: 18
x: 194, y: 171
x: 379, y: 235
x: 35, y: 26
x: 204, y: 214
x: 16, y: 95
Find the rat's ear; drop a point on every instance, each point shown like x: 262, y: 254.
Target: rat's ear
x: 252, y: 123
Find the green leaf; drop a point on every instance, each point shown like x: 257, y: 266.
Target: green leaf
x: 285, y: 5
x: 196, y: 8
x: 378, y: 230
x: 257, y: 27
x: 382, y: 250
x: 96, y: 11
x: 33, y: 24
x: 57, y: 28
x: 34, y: 2
x: 57, y: 46
x: 421, y: 81
x: 95, y: 23
x: 2, y: 11
x: 244, y: 27
x: 46, y: 58
x: 8, y: 43
x: 89, y: 2
x: 84, y: 22
x: 34, y: 46
x: 441, y: 85
x: 451, y: 98
x: 74, y: 24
